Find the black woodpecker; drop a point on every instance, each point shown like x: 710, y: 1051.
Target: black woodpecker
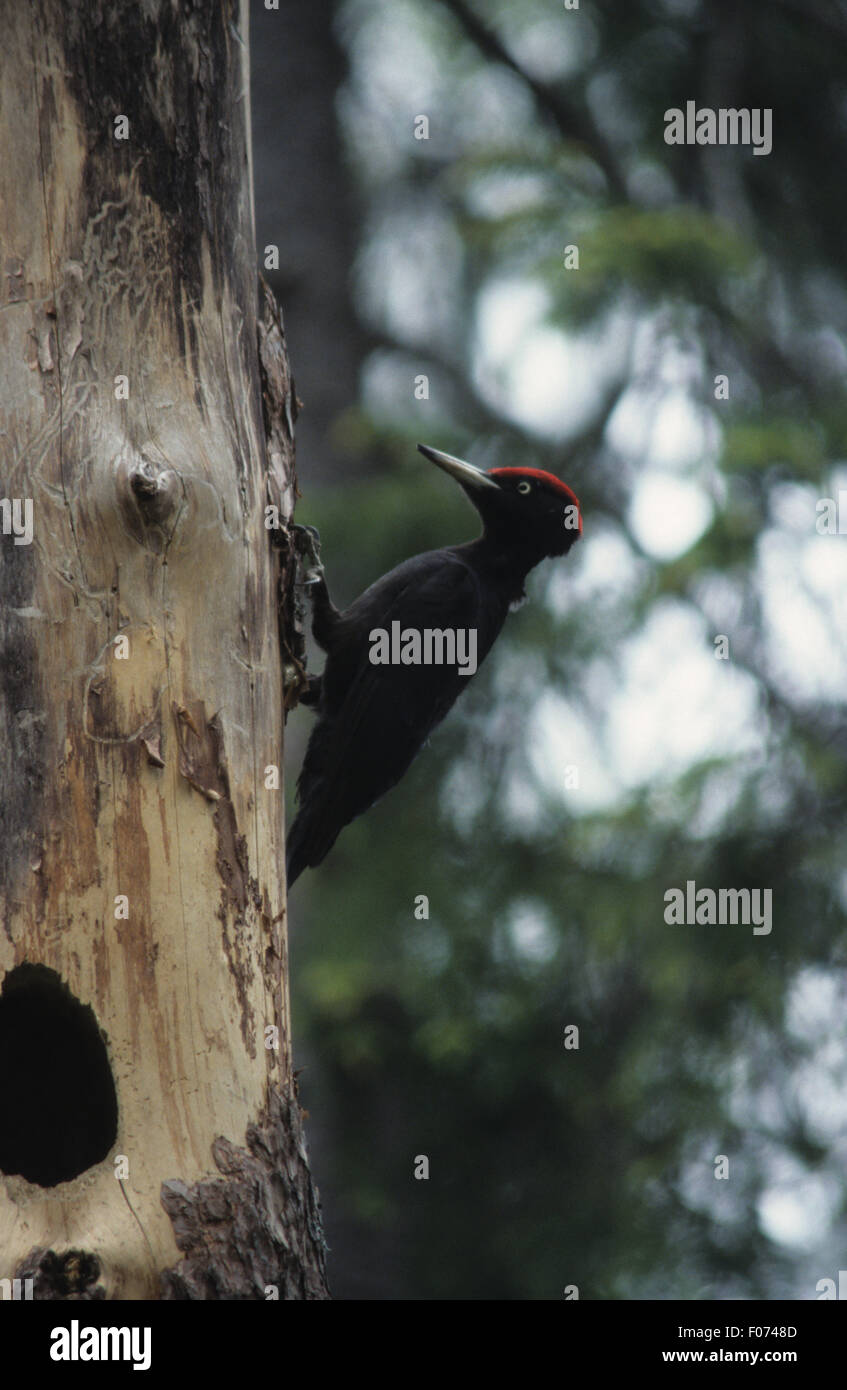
x: 372, y: 718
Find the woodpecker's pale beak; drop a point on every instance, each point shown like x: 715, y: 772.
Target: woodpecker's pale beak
x: 465, y: 473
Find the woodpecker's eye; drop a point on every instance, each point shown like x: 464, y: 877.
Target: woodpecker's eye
x: 524, y: 486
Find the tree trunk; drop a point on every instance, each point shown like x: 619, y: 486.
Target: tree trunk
x: 150, y: 1137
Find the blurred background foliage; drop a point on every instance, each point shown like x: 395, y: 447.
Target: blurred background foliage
x: 445, y: 257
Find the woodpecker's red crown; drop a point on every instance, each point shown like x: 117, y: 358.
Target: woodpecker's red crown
x: 543, y: 479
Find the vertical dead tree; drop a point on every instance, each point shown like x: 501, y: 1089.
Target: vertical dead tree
x: 150, y: 1140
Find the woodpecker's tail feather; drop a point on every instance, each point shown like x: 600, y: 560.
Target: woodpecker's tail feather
x: 307, y: 845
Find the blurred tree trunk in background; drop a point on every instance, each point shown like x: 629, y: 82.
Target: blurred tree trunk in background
x: 307, y: 209
x: 150, y: 1134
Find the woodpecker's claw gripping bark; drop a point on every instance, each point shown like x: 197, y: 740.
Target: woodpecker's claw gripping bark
x: 307, y: 544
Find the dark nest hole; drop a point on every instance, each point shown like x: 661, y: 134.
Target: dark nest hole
x: 58, y: 1107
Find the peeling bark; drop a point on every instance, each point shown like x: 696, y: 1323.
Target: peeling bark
x: 146, y: 633
x: 265, y: 1206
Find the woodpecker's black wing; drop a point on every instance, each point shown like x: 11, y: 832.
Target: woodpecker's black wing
x: 373, y: 719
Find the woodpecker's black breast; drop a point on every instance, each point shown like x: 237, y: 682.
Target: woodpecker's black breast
x: 373, y: 719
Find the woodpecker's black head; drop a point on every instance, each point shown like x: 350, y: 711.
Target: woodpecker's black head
x: 522, y: 509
